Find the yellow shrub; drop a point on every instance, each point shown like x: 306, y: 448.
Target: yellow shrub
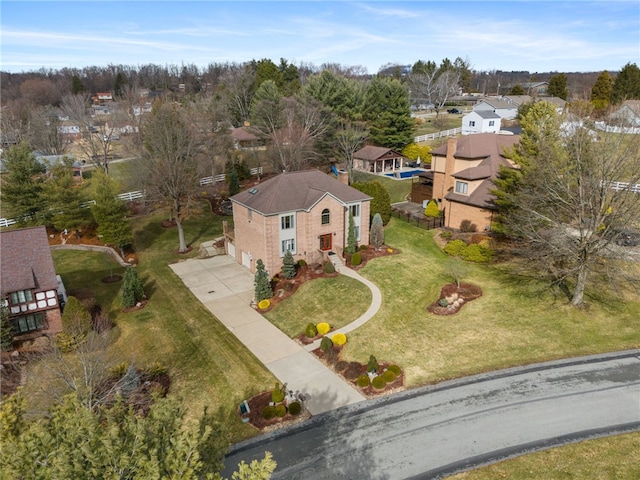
x: 339, y: 339
x: 390, y: 250
x: 323, y: 328
x: 262, y: 304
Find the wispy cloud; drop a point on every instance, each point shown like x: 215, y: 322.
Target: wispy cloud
x: 388, y: 12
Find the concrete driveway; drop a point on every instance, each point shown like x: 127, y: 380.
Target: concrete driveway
x: 226, y: 289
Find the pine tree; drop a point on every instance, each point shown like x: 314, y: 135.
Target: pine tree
x: 558, y: 86
x: 132, y: 288
x: 288, y: 265
x: 261, y: 282
x: 627, y: 84
x: 76, y: 85
x: 110, y: 212
x: 6, y: 330
x: 376, y: 234
x: 351, y: 237
x: 602, y: 91
x: 234, y: 182
x: 76, y: 319
x: 65, y: 197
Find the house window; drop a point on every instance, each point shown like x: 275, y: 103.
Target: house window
x: 461, y: 187
x: 288, y: 245
x: 28, y: 323
x: 354, y: 210
x: 472, y: 123
x: 492, y: 123
x: 286, y: 222
x: 21, y: 296
x: 325, y: 242
x: 249, y: 213
x: 326, y: 216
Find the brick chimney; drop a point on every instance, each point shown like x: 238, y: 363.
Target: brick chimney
x: 450, y: 163
x: 343, y: 177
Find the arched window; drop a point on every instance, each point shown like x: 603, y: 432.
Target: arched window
x: 326, y: 216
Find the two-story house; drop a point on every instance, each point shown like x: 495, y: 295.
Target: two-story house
x: 463, y: 173
x: 481, y: 121
x: 29, y: 286
x: 305, y: 212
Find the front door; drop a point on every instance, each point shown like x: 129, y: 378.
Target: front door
x: 325, y: 242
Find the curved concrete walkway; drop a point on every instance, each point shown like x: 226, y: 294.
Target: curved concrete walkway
x: 226, y: 290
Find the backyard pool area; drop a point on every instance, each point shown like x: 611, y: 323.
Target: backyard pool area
x: 402, y: 174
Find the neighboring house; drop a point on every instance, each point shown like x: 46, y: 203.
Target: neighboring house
x: 463, y: 173
x: 628, y: 114
x: 506, y: 109
x: 102, y: 97
x: 305, y: 212
x: 536, y: 89
x: 243, y: 138
x: 29, y: 285
x: 377, y: 160
x: 558, y: 102
x: 518, y: 99
x: 481, y: 121
x: 49, y: 161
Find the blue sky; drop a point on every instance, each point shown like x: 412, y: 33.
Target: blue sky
x: 505, y: 35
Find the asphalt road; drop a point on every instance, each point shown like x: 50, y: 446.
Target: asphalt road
x: 436, y: 431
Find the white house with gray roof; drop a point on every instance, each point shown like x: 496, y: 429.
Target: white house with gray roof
x: 481, y: 121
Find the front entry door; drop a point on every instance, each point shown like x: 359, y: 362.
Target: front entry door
x: 325, y: 242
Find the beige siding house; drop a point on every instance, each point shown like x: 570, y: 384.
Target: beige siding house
x: 304, y: 212
x: 463, y: 174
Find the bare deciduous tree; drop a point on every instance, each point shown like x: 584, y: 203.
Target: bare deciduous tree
x: 349, y: 138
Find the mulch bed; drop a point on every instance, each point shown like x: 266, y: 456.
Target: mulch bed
x: 370, y: 253
x: 466, y: 291
x: 257, y: 404
x: 111, y: 278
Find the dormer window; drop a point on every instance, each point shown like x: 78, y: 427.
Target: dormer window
x: 462, y: 187
x: 21, y: 296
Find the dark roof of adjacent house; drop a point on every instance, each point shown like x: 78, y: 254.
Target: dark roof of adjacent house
x: 497, y: 103
x: 370, y: 152
x: 26, y: 261
x: 294, y: 191
x: 485, y: 114
x: 243, y: 134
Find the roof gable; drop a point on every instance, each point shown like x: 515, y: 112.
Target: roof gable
x: 371, y: 152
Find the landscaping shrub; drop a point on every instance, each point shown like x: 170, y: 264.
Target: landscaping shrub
x: 261, y: 282
x: 443, y: 302
x: 372, y: 364
x: 389, y: 376
x: 323, y: 328
x: 362, y: 248
x: 262, y: 304
x: 329, y: 268
x: 339, y: 339
x: 325, y: 344
x: 295, y: 408
x: 269, y: 412
x: 476, y: 253
x: 379, y: 382
x: 132, y: 289
x: 432, y: 209
x: 376, y: 232
x: 119, y: 370
x: 467, y: 226
x: 281, y: 410
x: 288, y: 265
x: 363, y: 381
x: 157, y: 369
x: 356, y: 258
x: 68, y: 343
x: 446, y: 234
x: 277, y: 395
x: 310, y: 331
x: 395, y: 369
x: 455, y: 247
x: 302, y: 263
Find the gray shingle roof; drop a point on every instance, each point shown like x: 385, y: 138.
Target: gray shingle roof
x: 370, y: 152
x: 294, y: 191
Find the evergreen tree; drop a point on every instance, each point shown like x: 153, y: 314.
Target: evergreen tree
x: 388, y: 113
x: 132, y: 288
x: 627, y: 84
x: 380, y: 200
x: 288, y: 265
x: 376, y: 233
x: 6, y: 329
x: 351, y: 237
x: 118, y: 87
x: 76, y: 86
x: 65, y: 197
x: 76, y: 319
x: 110, y: 212
x: 517, y: 90
x: 234, y: 182
x: 261, y: 282
x: 22, y: 186
x: 558, y: 86
x: 602, y: 91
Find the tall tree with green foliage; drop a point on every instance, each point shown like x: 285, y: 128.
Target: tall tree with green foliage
x: 261, y: 282
x: 76, y: 319
x: 288, y: 265
x: 627, y: 84
x: 602, y: 91
x: 388, y: 113
x: 234, y: 182
x: 352, y: 244
x: 6, y: 329
x: 380, y: 199
x: 110, y: 212
x: 558, y: 86
x: 77, y: 87
x: 22, y: 186
x: 376, y: 232
x: 65, y: 198
x: 517, y: 89
x: 118, y: 86
x: 73, y: 441
x: 132, y: 288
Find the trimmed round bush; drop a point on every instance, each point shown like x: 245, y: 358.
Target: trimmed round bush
x: 329, y: 268
x: 310, y: 331
x: 281, y: 410
x: 476, y: 253
x: 389, y: 250
x: 455, y: 247
x: 356, y: 258
x: 389, y: 376
x: 364, y: 247
x: 363, y: 381
x: 277, y: 396
x: 325, y: 344
x: 323, y: 328
x: 395, y: 369
x: 379, y: 382
x: 339, y: 339
x: 443, y: 302
x: 262, y: 304
x: 269, y: 412
x: 295, y: 408
x: 302, y: 263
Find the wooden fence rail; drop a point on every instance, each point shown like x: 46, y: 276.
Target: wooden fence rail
x: 433, y: 136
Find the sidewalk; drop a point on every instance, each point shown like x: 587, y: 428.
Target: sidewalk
x: 226, y: 289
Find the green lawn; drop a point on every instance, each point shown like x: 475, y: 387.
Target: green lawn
x: 445, y: 122
x: 398, y: 189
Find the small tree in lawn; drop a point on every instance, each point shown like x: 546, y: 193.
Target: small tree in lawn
x: 261, y: 282
x: 376, y: 234
x: 288, y: 265
x: 351, y: 237
x: 432, y: 209
x: 132, y: 289
x: 457, y: 270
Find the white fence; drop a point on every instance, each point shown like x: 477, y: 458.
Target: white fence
x: 615, y: 129
x: 221, y: 177
x: 619, y: 186
x: 130, y: 196
x: 433, y: 136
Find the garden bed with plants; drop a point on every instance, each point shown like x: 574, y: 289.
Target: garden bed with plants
x: 453, y: 297
x: 368, y: 252
x: 274, y: 409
